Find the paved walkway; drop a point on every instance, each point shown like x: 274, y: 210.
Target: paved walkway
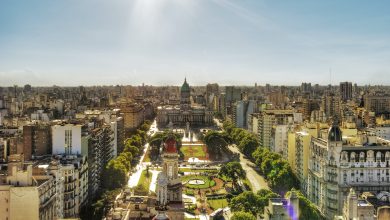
x: 135, y: 176
x: 258, y: 182
x: 153, y: 184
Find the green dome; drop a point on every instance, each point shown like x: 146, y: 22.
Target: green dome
x: 185, y: 87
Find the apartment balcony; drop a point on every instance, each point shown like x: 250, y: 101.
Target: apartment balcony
x: 316, y: 173
x: 48, y: 201
x: 67, y: 191
x: 332, y: 208
x: 369, y: 183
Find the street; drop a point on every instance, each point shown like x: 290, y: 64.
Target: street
x: 258, y: 182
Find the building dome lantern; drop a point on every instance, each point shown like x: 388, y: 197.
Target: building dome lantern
x: 185, y: 87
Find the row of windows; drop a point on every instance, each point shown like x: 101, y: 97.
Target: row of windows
x: 354, y: 157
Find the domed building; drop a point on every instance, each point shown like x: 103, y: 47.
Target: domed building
x: 334, y: 134
x: 336, y: 164
x: 180, y: 115
x: 185, y: 96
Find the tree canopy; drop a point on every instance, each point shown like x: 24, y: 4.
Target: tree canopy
x: 233, y: 171
x: 114, y: 174
x: 276, y: 170
x: 243, y: 216
x: 216, y: 142
x: 160, y: 137
x: 307, y: 210
x: 251, y: 202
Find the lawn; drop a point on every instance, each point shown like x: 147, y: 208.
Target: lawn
x: 145, y: 180
x: 193, y: 151
x: 207, y: 182
x: 147, y: 156
x: 217, y: 203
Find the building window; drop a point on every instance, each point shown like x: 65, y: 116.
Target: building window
x: 68, y: 141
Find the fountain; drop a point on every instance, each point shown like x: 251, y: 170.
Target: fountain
x: 196, y: 182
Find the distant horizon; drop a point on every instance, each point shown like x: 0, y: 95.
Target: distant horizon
x: 191, y: 85
x: 179, y: 83
x: 99, y: 42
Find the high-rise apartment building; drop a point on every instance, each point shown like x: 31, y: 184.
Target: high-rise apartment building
x: 330, y: 104
x: 377, y: 102
x: 36, y: 140
x: 306, y: 87
x: 66, y: 139
x: 242, y: 111
x: 133, y: 115
x: 268, y: 119
x: 346, y: 91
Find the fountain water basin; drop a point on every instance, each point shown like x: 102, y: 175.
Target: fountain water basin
x: 196, y: 182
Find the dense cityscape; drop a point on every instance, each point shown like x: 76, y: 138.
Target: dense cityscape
x: 194, y: 110
x: 205, y: 152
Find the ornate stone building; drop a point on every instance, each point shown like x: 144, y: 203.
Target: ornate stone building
x: 179, y: 115
x: 169, y: 186
x: 336, y: 166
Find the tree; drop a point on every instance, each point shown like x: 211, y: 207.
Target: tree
x: 122, y: 159
x: 125, y: 158
x: 131, y: 149
x: 243, y: 216
x: 233, y: 171
x: 215, y: 142
x: 248, y: 145
x: 307, y: 210
x: 157, y: 139
x: 246, y: 202
x: 142, y: 134
x: 101, y: 204
x: 127, y: 155
x: 114, y: 174
x: 251, y: 202
x: 259, y: 154
x: 238, y: 134
x: 277, y: 171
x: 263, y: 198
x: 283, y: 179
x: 135, y: 140
x: 146, y: 125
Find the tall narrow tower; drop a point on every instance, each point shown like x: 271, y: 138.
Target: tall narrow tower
x: 170, y: 159
x: 169, y: 186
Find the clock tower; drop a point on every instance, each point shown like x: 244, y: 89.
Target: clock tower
x: 169, y: 186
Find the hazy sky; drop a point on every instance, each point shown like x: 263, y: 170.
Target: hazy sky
x: 90, y: 42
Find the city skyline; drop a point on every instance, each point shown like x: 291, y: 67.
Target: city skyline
x: 160, y: 43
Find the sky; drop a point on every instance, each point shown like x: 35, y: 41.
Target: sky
x: 159, y: 42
